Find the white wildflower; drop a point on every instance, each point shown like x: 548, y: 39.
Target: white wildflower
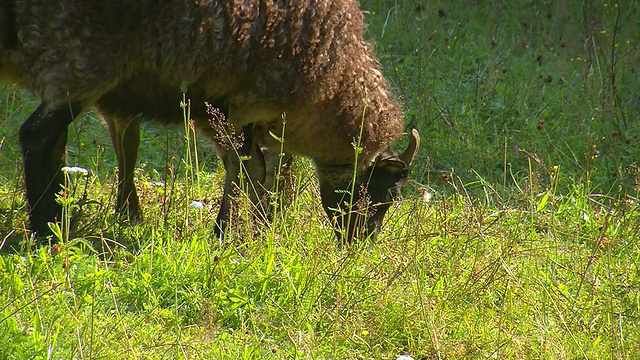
x: 22, y: 262
x: 75, y: 170
x: 197, y: 204
x: 404, y: 357
x: 426, y: 196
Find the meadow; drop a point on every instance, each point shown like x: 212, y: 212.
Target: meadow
x: 516, y: 238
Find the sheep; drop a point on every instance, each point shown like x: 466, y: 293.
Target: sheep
x: 299, y: 68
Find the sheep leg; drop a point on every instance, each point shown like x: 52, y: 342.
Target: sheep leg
x: 254, y: 171
x: 248, y: 159
x: 125, y: 137
x: 278, y: 179
x: 43, y: 138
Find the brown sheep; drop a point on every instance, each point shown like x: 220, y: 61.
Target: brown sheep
x: 259, y: 61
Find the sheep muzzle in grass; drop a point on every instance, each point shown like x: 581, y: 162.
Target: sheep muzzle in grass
x: 358, y: 214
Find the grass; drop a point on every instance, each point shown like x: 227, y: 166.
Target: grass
x: 517, y: 237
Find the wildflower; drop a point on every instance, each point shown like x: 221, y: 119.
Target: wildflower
x: 197, y: 204
x: 404, y: 357
x: 22, y: 262
x: 426, y: 196
x: 75, y: 170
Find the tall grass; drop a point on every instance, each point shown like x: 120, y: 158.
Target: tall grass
x: 517, y: 237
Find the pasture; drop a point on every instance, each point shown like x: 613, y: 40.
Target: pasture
x: 517, y: 236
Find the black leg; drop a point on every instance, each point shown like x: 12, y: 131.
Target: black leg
x: 231, y: 178
x: 125, y: 137
x: 255, y: 171
x: 44, y: 138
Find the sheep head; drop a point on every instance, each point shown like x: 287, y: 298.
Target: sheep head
x: 359, y: 215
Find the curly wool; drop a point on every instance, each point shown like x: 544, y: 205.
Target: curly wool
x: 303, y: 60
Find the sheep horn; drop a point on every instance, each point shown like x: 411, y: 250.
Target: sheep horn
x: 414, y: 142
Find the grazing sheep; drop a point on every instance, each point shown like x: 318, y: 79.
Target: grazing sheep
x: 259, y: 61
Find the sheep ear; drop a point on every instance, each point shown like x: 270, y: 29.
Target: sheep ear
x: 398, y: 162
x: 412, y: 149
x: 391, y: 162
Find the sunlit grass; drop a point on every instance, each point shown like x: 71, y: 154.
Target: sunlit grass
x: 517, y: 237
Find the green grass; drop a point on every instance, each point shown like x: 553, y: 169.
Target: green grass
x: 517, y: 237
